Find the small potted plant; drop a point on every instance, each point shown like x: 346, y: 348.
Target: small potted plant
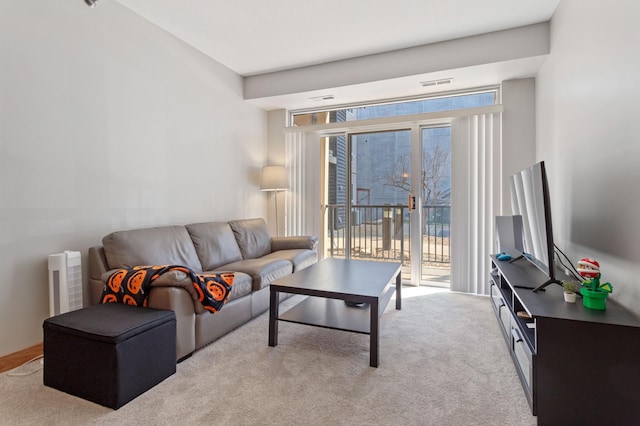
x: 570, y: 289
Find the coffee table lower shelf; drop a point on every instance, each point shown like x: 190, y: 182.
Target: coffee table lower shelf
x: 335, y: 313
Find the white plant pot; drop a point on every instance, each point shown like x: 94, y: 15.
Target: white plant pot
x: 570, y: 297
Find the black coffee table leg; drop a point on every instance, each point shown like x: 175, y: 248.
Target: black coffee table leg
x: 273, y: 318
x: 374, y: 331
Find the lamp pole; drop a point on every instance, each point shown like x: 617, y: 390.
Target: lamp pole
x: 275, y: 178
x: 275, y: 197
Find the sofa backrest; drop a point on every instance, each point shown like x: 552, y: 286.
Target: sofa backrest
x: 215, y: 244
x: 252, y: 236
x: 163, y: 245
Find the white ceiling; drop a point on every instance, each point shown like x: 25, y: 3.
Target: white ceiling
x: 258, y: 36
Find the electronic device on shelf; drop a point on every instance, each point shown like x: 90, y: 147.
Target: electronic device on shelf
x: 530, y: 199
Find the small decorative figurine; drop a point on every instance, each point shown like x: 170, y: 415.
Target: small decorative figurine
x: 594, y: 294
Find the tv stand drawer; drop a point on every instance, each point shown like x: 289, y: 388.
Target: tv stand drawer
x: 522, y: 355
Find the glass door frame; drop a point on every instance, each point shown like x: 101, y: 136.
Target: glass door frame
x: 419, y: 273
x: 415, y: 216
x: 349, y: 184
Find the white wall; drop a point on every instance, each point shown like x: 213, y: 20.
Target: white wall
x: 277, y: 156
x: 588, y: 104
x: 108, y: 123
x: 518, y: 132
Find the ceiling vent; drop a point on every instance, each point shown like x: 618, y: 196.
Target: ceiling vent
x: 436, y: 82
x: 322, y: 98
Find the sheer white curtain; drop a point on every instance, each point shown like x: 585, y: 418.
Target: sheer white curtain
x: 303, y: 163
x: 476, y: 169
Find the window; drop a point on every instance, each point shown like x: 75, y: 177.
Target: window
x: 397, y: 108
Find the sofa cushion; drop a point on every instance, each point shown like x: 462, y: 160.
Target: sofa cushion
x: 163, y: 245
x: 294, y: 242
x: 252, y: 236
x: 300, y: 258
x: 263, y: 271
x: 241, y: 284
x: 215, y: 244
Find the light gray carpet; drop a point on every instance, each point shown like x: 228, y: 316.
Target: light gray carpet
x: 443, y: 361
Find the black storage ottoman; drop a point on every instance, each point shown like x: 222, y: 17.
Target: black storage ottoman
x: 109, y: 353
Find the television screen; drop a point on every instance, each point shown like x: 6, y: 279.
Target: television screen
x: 530, y: 199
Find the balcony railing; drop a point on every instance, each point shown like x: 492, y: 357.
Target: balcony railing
x: 382, y: 232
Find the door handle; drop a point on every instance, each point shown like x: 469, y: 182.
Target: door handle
x: 516, y: 335
x: 412, y: 202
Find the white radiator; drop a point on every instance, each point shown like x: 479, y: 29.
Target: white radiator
x: 65, y: 282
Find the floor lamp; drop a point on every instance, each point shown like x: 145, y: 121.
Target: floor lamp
x: 275, y: 178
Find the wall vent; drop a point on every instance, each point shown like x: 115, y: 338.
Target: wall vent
x: 436, y: 82
x: 321, y: 98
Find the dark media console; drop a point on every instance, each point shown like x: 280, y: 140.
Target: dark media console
x: 534, y: 285
x: 576, y: 365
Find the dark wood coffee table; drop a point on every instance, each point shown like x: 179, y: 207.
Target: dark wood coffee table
x: 330, y: 284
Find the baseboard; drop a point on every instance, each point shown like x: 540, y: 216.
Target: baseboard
x: 16, y: 359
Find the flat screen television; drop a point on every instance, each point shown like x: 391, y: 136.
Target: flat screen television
x: 530, y: 199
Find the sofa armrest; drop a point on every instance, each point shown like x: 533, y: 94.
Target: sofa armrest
x: 171, y: 293
x: 179, y: 301
x: 289, y: 243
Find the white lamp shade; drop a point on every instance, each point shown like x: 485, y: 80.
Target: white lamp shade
x: 274, y: 178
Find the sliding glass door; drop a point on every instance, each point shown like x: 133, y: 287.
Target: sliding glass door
x: 370, y: 179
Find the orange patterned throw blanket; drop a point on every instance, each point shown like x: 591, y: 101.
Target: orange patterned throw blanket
x: 131, y: 286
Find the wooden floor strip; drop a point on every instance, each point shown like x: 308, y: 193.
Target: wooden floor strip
x: 16, y: 359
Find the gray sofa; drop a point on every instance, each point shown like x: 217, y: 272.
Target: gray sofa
x: 242, y: 246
